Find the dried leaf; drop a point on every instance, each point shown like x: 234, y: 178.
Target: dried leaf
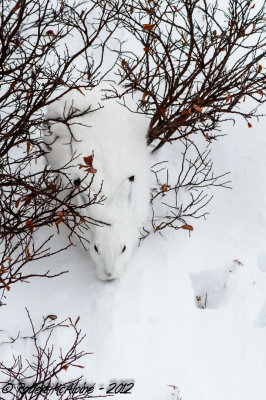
x: 80, y: 91
x: 50, y: 32
x: 30, y: 226
x: 146, y: 48
x: 123, y: 63
x: 163, y: 111
x: 77, y: 320
x: 51, y: 317
x: 65, y: 367
x: 88, y: 160
x: 164, y: 188
x: 254, y: 27
x: 259, y: 69
x: 28, y: 253
x: 3, y: 269
x: 228, y: 97
x: 197, y: 108
x: 185, y: 112
x: 260, y: 92
x: 17, y: 202
x: 5, y: 284
x: 82, y: 220
x: 131, y: 10
x: 249, y: 125
x: 59, y: 219
x: 27, y: 199
x: 51, y: 187
x: 214, y: 33
x: 148, y: 27
x: 252, y: 6
x: 13, y: 84
x: 238, y: 262
x: 91, y: 170
x: 187, y: 227
x: 143, y: 97
x: 28, y: 147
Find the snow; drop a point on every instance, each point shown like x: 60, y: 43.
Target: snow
x: 146, y: 327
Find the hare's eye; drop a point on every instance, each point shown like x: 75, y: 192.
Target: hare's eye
x: 96, y: 248
x: 76, y: 182
x: 124, y: 249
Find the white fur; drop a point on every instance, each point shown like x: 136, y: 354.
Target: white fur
x: 117, y: 138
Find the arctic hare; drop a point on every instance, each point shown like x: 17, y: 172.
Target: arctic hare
x: 116, y: 138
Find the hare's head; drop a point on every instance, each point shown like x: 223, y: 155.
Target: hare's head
x: 111, y: 246
x: 111, y: 249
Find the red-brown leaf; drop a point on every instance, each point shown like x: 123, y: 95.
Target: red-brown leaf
x: 52, y: 317
x: 88, y: 160
x: 17, y: 202
x: 80, y: 91
x: 3, y: 269
x: 185, y: 112
x: 5, y: 284
x: 143, y: 97
x: 259, y: 68
x: 28, y: 253
x: 197, y: 108
x: 228, y: 97
x: 238, y: 262
x: 91, y: 170
x: 164, y: 188
x: 50, y: 32
x: 59, y: 219
x: 187, y: 227
x: 30, y: 226
x: 148, y: 27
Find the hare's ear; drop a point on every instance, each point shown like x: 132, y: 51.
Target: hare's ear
x: 123, y: 195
